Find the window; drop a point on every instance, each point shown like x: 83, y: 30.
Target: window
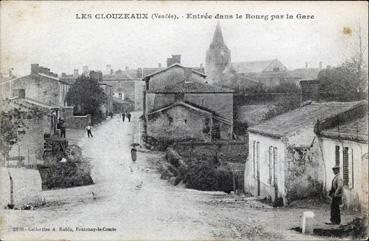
x: 347, y: 167
x: 254, y: 158
x: 273, y: 153
x: 270, y: 164
x: 337, y: 155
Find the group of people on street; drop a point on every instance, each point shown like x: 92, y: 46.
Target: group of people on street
x: 128, y: 115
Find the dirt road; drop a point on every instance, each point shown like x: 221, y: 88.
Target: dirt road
x: 129, y: 201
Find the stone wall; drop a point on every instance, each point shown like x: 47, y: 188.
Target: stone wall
x: 139, y: 89
x: 30, y: 146
x: 78, y: 122
x: 179, y: 123
x: 304, y: 172
x: 225, y: 151
x: 221, y: 104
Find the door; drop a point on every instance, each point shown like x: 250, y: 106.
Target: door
x: 258, y: 166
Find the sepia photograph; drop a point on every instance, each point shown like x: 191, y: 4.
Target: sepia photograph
x: 184, y: 120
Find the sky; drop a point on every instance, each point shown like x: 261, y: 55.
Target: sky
x: 49, y: 33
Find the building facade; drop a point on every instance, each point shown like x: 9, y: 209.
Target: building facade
x: 178, y: 88
x: 286, y: 160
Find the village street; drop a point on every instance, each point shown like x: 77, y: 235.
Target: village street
x: 131, y: 199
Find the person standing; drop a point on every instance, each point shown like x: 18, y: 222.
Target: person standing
x: 336, y: 194
x: 129, y: 116
x: 89, y: 128
x: 62, y: 129
x: 134, y: 154
x: 123, y: 116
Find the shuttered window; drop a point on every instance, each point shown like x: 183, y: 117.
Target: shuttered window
x: 337, y: 155
x: 348, y: 167
x: 270, y: 164
x: 345, y: 167
x: 254, y: 158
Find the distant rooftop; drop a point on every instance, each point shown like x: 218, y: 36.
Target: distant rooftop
x: 192, y: 87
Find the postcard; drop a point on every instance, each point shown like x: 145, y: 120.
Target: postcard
x: 183, y: 120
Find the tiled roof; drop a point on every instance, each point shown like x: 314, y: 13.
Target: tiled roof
x: 172, y: 66
x: 303, y: 117
x: 356, y: 130
x: 192, y: 87
x: 255, y: 66
x: 194, y: 107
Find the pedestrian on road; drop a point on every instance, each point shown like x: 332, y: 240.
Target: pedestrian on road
x: 336, y: 194
x: 89, y: 128
x: 123, y: 116
x: 129, y: 116
x: 134, y: 154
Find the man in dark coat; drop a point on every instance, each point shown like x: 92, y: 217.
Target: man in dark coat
x: 129, y: 116
x: 336, y: 194
x: 123, y: 116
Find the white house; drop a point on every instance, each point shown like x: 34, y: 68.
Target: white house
x: 285, y: 156
x: 346, y: 145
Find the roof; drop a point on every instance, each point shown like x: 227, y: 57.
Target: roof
x: 28, y: 103
x: 172, y: 66
x: 179, y: 103
x: 355, y: 130
x: 192, y: 87
x: 256, y: 66
x: 193, y: 107
x: 303, y: 117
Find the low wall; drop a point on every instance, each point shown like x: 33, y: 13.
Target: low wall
x: 26, y: 184
x: 230, y: 152
x: 78, y: 122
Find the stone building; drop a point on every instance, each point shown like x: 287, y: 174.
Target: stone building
x: 41, y: 86
x: 107, y: 107
x: 180, y: 105
x: 286, y: 161
x: 218, y: 57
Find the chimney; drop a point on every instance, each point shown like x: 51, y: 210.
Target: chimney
x: 306, y: 65
x: 320, y: 65
x: 159, y: 65
x: 35, y: 68
x: 127, y: 68
x: 187, y: 74
x: 75, y: 73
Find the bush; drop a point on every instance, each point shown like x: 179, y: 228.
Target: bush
x: 204, y: 176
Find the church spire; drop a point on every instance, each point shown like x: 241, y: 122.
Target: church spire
x: 218, y: 37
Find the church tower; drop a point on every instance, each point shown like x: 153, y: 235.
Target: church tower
x: 218, y: 57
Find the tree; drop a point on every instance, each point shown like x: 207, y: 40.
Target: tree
x: 11, y: 126
x: 348, y: 82
x: 86, y: 95
x: 344, y: 83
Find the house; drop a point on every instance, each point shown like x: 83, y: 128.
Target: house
x: 285, y: 160
x: 346, y: 145
x: 107, y: 107
x: 42, y: 86
x: 178, y: 98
